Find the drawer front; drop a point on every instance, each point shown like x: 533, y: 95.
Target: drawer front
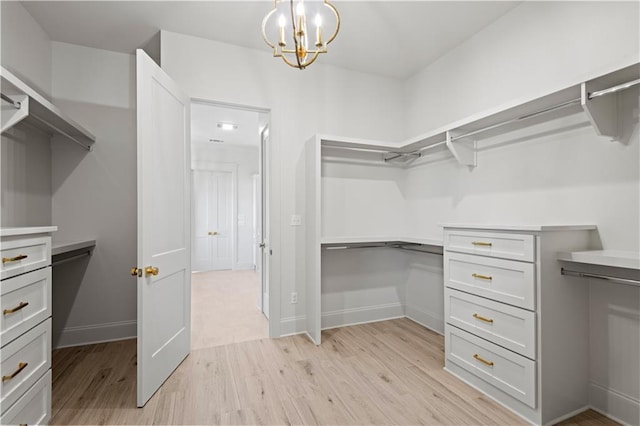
x: 34, y: 408
x: 24, y: 255
x: 493, y: 244
x: 25, y: 302
x: 506, y: 281
x: 513, y: 374
x: 507, y: 326
x: 23, y: 362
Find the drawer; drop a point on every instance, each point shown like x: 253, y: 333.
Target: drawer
x: 503, y: 280
x: 511, y: 373
x: 24, y: 255
x: 26, y: 359
x: 493, y: 244
x: 507, y: 326
x: 34, y: 407
x: 25, y: 302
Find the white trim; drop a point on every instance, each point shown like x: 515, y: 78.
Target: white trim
x: 292, y: 325
x: 363, y: 315
x: 96, y: 333
x: 614, y: 404
x: 425, y: 319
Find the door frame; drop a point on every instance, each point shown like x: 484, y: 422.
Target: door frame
x: 212, y: 166
x: 271, y: 177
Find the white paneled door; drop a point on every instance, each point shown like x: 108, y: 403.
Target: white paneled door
x: 164, y: 226
x: 213, y: 212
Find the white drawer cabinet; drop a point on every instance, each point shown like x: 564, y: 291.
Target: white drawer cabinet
x: 25, y: 326
x: 507, y: 281
x: 515, y: 328
x: 505, y: 325
x: 34, y: 407
x: 512, y: 373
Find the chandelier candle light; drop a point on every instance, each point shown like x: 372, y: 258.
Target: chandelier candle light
x: 287, y: 23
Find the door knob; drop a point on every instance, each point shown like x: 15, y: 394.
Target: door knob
x: 135, y: 271
x: 213, y: 233
x: 262, y: 245
x: 151, y: 270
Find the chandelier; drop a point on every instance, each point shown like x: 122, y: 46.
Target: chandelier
x: 287, y: 24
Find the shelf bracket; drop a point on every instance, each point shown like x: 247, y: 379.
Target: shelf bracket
x: 14, y: 113
x: 463, y: 149
x: 602, y: 111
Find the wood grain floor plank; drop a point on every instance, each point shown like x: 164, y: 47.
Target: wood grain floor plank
x: 380, y: 373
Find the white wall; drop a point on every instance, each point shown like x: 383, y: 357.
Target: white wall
x: 25, y: 151
x: 302, y: 103
x: 535, y: 48
x: 94, y: 195
x: 246, y: 159
x: 25, y: 47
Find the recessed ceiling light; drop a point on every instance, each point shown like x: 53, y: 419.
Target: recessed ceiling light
x: 227, y: 126
x: 216, y: 140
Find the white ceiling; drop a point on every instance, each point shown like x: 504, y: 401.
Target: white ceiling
x: 391, y: 38
x: 205, y: 119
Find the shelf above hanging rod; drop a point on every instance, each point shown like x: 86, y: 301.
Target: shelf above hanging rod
x: 625, y: 281
x: 32, y: 107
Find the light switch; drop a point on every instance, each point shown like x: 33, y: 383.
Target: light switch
x: 241, y: 220
x: 296, y: 220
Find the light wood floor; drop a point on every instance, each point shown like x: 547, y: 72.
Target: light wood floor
x: 224, y: 308
x: 383, y: 373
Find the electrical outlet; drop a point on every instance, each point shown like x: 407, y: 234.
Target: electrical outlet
x: 294, y: 297
x: 296, y: 220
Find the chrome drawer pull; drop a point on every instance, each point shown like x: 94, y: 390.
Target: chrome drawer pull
x: 16, y: 309
x: 481, y: 243
x: 482, y: 360
x: 21, y: 366
x: 482, y: 277
x: 14, y: 259
x: 480, y: 318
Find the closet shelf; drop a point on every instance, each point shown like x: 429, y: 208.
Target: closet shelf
x: 435, y: 242
x: 62, y: 252
x: 612, y: 258
x: 20, y: 102
x: 596, y: 98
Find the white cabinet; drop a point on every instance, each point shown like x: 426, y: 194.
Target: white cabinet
x: 515, y: 327
x: 25, y: 354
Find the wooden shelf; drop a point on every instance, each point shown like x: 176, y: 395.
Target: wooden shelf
x: 611, y: 258
x: 62, y: 252
x: 30, y: 106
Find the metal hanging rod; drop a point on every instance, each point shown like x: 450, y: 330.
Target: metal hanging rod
x: 514, y: 120
x: 613, y: 89
x: 62, y: 132
x: 349, y: 148
x: 625, y: 281
x: 6, y: 98
x: 397, y: 155
x: 384, y: 245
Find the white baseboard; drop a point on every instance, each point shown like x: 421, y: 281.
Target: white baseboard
x: 425, y: 319
x: 293, y: 325
x: 613, y: 404
x: 97, y: 333
x: 345, y: 317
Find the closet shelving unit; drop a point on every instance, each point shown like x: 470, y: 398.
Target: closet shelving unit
x: 21, y: 102
x: 596, y: 98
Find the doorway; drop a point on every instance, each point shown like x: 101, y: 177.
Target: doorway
x: 229, y: 146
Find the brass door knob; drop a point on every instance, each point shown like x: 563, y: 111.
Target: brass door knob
x: 151, y: 270
x: 213, y: 232
x: 136, y: 272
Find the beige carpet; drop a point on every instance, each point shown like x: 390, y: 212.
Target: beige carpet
x: 224, y: 308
